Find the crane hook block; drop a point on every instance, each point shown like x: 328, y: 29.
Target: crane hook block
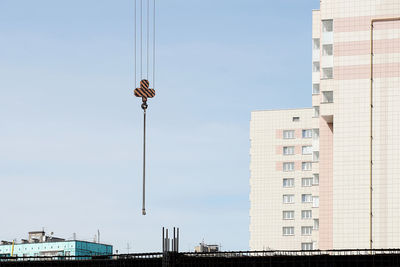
x: 144, y: 91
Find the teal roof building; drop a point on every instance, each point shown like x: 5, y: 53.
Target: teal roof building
x: 39, y: 244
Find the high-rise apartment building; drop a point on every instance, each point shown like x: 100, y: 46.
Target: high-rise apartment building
x: 356, y: 119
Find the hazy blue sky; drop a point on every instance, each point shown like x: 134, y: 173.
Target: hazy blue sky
x: 71, y: 129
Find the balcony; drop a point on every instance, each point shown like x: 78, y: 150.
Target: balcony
x: 327, y: 62
x: 327, y: 31
x: 316, y: 76
x: 327, y: 38
x: 315, y: 54
x: 326, y: 111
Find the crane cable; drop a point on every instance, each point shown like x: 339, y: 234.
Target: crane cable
x: 143, y: 90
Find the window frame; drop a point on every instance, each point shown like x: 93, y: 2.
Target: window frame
x: 290, y: 163
x: 287, y: 212
x: 326, y: 48
x: 304, y: 165
x: 327, y: 27
x: 288, y: 197
x: 316, y: 224
x: 288, y: 233
x: 305, y: 184
x: 308, y: 147
x: 306, y: 133
x: 304, y: 244
x: 288, y: 149
x: 315, y: 178
x: 288, y: 185
x: 305, y: 197
x: 315, y: 201
x: 286, y: 134
x: 316, y: 66
x: 316, y: 111
x: 327, y: 97
x: 306, y: 233
x: 303, y: 212
x: 327, y: 73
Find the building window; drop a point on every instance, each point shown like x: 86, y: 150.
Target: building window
x: 296, y: 119
x: 288, y: 230
x: 306, y: 150
x: 315, y: 201
x: 288, y: 134
x: 315, y: 157
x: 306, y: 198
x: 316, y: 224
x: 306, y: 166
x: 327, y: 97
x: 307, y: 133
x: 305, y: 182
x: 306, y: 246
x: 327, y: 25
x: 288, y: 182
x: 316, y: 134
x: 327, y: 50
x: 315, y: 88
x: 288, y: 150
x: 315, y: 66
x: 306, y: 214
x: 306, y: 230
x: 327, y: 73
x: 316, y: 111
x: 315, y: 42
x: 288, y: 214
x: 287, y: 199
x: 288, y: 166
x: 315, y: 179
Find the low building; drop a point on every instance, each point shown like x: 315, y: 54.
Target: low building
x: 203, y: 247
x: 39, y: 244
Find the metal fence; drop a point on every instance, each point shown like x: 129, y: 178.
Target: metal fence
x: 326, y: 258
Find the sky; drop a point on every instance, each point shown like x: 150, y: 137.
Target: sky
x: 71, y: 129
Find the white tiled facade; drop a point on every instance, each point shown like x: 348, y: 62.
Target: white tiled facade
x: 343, y: 73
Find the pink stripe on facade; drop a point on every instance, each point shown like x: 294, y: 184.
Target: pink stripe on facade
x: 279, y: 150
x: 352, y: 72
x: 354, y: 24
x: 356, y: 48
x: 297, y: 165
x: 364, y: 71
x: 297, y: 133
x: 386, y: 25
x: 279, y: 165
x: 279, y: 134
x: 297, y: 150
